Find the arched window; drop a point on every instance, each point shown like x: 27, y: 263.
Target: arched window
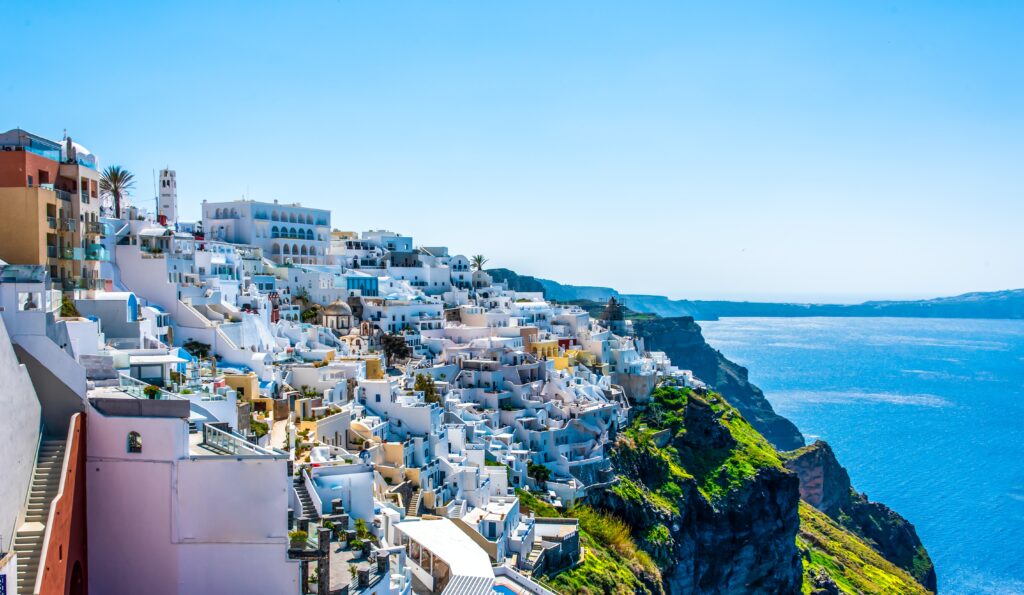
x: 275, y: 232
x: 294, y: 233
x: 291, y: 218
x: 134, y: 442
x: 295, y: 248
x: 303, y: 251
x: 309, y: 234
x: 277, y: 248
x: 216, y: 214
x: 286, y: 249
x: 274, y: 216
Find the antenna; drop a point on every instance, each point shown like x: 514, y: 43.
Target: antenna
x: 156, y: 198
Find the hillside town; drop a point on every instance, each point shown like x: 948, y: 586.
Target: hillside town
x: 262, y: 402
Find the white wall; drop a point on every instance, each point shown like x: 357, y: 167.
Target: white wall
x: 19, y: 436
x: 163, y: 524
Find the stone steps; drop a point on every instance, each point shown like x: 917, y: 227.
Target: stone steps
x: 28, y: 540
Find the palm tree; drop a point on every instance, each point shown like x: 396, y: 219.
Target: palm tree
x: 477, y: 262
x: 117, y: 181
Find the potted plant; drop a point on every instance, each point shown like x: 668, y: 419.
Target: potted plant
x: 151, y: 391
x: 297, y: 539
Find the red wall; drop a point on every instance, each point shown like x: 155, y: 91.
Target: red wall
x: 66, y: 570
x: 17, y: 166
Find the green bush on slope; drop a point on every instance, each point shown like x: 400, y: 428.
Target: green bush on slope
x: 677, y: 442
x: 612, y: 563
x: 848, y: 561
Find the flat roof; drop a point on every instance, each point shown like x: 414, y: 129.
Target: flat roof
x: 448, y: 542
x: 154, y: 359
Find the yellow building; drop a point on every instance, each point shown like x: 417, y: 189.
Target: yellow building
x: 544, y: 349
x: 247, y: 385
x: 29, y: 227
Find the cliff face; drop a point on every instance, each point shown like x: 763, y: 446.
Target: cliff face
x: 707, y: 497
x: 702, y: 503
x: 681, y: 339
x: 825, y: 485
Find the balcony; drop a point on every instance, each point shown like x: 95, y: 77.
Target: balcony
x: 85, y: 197
x: 61, y: 194
x: 95, y: 227
x: 222, y: 442
x: 68, y: 253
x: 51, y: 252
x: 68, y: 224
x: 52, y: 222
x: 97, y: 252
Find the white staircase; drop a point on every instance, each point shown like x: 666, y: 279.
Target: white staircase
x: 459, y: 510
x: 28, y: 541
x: 308, y: 508
x: 413, y: 508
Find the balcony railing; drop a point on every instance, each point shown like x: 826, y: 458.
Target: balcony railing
x: 52, y: 222
x: 51, y: 252
x: 72, y: 254
x: 233, y: 444
x: 97, y: 252
x: 141, y: 390
x: 94, y: 227
x: 68, y: 224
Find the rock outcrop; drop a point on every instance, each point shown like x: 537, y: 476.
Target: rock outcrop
x: 726, y: 530
x: 681, y: 339
x: 825, y: 485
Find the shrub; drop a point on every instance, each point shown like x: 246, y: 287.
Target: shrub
x: 67, y: 307
x: 297, y: 536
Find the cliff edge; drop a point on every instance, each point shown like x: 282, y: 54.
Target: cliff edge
x: 702, y: 503
x: 681, y: 339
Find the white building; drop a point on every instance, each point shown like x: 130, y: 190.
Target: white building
x: 285, y: 232
x: 167, y: 206
x: 171, y: 512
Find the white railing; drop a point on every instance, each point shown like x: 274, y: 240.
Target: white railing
x: 232, y: 444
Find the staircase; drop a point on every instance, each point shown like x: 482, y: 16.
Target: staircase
x: 308, y: 510
x: 413, y: 508
x: 457, y: 511
x: 28, y: 541
x: 534, y: 556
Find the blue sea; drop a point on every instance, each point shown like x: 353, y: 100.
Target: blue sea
x: 927, y: 416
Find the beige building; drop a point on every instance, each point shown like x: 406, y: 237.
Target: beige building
x: 49, y: 193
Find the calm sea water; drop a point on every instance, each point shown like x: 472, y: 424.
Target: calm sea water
x: 927, y: 416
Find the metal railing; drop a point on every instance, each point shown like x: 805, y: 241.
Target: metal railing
x: 143, y: 390
x: 97, y: 252
x: 231, y: 443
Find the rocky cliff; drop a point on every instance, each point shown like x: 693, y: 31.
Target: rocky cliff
x: 825, y: 485
x: 682, y: 340
x: 702, y: 503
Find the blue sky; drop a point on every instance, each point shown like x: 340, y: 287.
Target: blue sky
x: 763, y: 150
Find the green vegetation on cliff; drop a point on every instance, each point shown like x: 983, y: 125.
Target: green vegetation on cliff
x: 708, y: 440
x: 702, y: 503
x: 612, y: 563
x: 849, y: 563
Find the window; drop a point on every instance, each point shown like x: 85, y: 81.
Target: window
x: 134, y: 442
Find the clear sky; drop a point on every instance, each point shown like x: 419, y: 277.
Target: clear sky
x: 763, y: 150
